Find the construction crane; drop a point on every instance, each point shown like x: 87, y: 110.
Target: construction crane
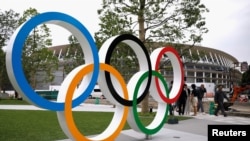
x: 236, y: 91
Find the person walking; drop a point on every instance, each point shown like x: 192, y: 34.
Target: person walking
x: 202, y: 91
x: 194, y: 99
x: 182, y: 100
x: 219, y: 100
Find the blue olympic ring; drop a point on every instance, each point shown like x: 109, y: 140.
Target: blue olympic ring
x: 92, y: 63
x: 17, y: 76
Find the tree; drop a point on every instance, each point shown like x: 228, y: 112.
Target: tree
x: 74, y: 55
x: 8, y: 24
x: 4, y: 80
x: 37, y: 60
x: 246, y: 77
x: 161, y: 21
x: 112, y: 24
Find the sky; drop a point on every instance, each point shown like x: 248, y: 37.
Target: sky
x: 228, y: 21
x: 229, y: 27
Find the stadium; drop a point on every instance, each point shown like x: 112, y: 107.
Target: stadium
x: 212, y: 66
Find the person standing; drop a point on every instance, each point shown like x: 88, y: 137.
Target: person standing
x: 194, y: 99
x: 219, y: 99
x: 182, y: 100
x: 171, y: 107
x: 202, y: 91
x: 188, y: 101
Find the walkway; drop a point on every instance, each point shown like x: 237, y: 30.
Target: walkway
x: 195, y: 129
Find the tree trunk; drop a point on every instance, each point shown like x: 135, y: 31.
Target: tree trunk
x: 141, y: 20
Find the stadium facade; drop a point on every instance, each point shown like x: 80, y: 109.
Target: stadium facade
x: 212, y: 66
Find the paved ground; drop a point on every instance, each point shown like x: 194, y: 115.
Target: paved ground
x: 195, y: 129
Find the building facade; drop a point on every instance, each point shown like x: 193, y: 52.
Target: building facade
x: 212, y: 66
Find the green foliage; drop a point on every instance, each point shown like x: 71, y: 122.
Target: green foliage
x: 152, y: 21
x: 4, y: 80
x: 74, y: 56
x: 36, y: 57
x: 175, y: 21
x: 246, y: 77
x: 8, y: 24
x: 124, y: 60
x: 111, y: 24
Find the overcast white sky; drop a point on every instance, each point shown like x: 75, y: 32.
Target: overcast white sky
x: 229, y: 27
x: 228, y: 21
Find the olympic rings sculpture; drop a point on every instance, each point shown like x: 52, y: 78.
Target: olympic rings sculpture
x: 97, y: 68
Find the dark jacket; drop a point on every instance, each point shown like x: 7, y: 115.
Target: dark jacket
x: 201, y: 93
x: 184, y: 95
x: 219, y: 97
x: 194, y: 90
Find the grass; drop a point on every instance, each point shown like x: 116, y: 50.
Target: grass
x: 19, y: 125
x: 30, y: 125
x: 13, y: 102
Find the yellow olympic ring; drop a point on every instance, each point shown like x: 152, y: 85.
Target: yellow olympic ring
x: 68, y: 105
x: 68, y: 98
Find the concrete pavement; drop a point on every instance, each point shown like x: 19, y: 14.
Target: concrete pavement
x: 195, y: 129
